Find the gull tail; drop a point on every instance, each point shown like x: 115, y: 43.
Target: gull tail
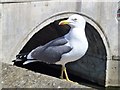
x: 20, y: 59
x: 30, y: 61
x: 23, y: 59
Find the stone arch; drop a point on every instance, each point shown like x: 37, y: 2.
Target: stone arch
x: 93, y: 57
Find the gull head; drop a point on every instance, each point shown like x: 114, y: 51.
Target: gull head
x: 74, y: 20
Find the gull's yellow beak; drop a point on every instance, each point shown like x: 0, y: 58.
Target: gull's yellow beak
x: 63, y: 22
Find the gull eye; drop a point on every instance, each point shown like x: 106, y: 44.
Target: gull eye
x: 75, y: 19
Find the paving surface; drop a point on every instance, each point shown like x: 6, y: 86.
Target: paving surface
x: 16, y: 77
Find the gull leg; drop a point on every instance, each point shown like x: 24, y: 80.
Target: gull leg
x: 62, y: 69
x: 66, y: 75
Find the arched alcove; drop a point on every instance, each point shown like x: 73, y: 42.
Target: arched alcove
x: 91, y: 67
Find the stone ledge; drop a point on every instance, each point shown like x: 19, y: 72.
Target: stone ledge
x: 16, y: 77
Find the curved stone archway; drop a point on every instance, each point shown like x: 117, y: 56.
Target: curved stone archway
x: 92, y: 66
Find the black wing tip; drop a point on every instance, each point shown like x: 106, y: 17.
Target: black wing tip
x: 21, y: 56
x: 20, y: 59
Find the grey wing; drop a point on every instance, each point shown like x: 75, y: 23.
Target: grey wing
x: 57, y: 42
x: 51, y: 52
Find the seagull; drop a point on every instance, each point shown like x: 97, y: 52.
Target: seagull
x: 62, y: 50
